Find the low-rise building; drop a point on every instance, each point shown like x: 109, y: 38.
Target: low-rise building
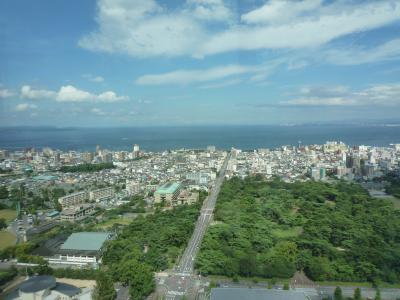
x: 78, y: 249
x: 186, y: 197
x: 262, y: 294
x: 78, y: 213
x: 102, y: 194
x: 73, y: 199
x: 43, y: 287
x: 132, y: 187
x: 167, y: 193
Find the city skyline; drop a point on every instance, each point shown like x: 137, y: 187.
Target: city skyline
x: 198, y: 62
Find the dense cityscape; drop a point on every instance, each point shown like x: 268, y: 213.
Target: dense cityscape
x: 61, y: 210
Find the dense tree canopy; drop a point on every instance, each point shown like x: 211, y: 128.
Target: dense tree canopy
x: 394, y: 184
x: 331, y: 231
x: 149, y: 244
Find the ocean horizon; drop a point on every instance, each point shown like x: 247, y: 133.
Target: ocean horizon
x: 157, y: 138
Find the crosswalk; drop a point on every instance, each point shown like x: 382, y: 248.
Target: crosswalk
x: 172, y: 295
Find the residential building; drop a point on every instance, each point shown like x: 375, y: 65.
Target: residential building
x: 186, y: 197
x: 73, y: 199
x: 78, y: 213
x: 101, y: 194
x: 132, y: 187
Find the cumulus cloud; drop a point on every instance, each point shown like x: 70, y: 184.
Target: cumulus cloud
x: 25, y: 107
x: 70, y: 93
x: 376, y: 95
x: 28, y: 93
x: 5, y: 93
x: 199, y: 75
x: 145, y: 29
x: 209, y: 10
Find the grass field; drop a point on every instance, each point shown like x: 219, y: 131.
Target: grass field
x: 396, y: 202
x: 288, y: 233
x: 8, y: 214
x: 6, y: 239
x: 111, y: 222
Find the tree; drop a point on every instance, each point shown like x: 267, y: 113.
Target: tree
x: 357, y: 294
x: 338, y: 294
x: 3, y: 223
x: 286, y: 286
x: 104, y: 287
x: 378, y: 294
x: 138, y: 276
x: 3, y: 192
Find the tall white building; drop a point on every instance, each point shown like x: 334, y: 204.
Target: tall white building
x: 136, y: 151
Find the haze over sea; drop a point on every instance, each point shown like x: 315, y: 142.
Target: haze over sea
x: 223, y: 137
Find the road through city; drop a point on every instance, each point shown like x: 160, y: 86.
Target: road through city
x: 181, y: 280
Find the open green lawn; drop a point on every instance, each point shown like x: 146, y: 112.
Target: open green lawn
x: 8, y: 214
x: 396, y: 202
x: 6, y: 239
x: 111, y: 222
x: 288, y: 233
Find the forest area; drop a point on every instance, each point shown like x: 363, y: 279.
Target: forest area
x: 149, y: 244
x: 334, y: 232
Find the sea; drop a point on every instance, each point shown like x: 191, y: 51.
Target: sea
x: 195, y: 137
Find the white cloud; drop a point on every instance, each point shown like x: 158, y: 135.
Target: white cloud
x: 144, y: 28
x: 198, y: 76
x: 312, y: 31
x: 355, y: 56
x: 5, y: 93
x: 93, y: 78
x: 280, y: 11
x: 376, y: 95
x: 70, y: 93
x: 209, y: 10
x: 28, y: 93
x: 24, y: 107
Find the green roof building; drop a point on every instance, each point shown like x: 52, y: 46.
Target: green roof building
x: 82, y: 249
x: 167, y: 192
x: 86, y: 241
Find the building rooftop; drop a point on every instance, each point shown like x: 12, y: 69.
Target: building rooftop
x: 168, y: 188
x: 85, y: 241
x: 53, y: 213
x: 67, y: 289
x: 37, y: 283
x: 257, y: 294
x: 45, y: 177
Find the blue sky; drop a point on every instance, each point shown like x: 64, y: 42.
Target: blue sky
x: 197, y: 62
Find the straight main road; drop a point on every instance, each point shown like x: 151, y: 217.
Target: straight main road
x: 186, y: 262
x: 182, y: 279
